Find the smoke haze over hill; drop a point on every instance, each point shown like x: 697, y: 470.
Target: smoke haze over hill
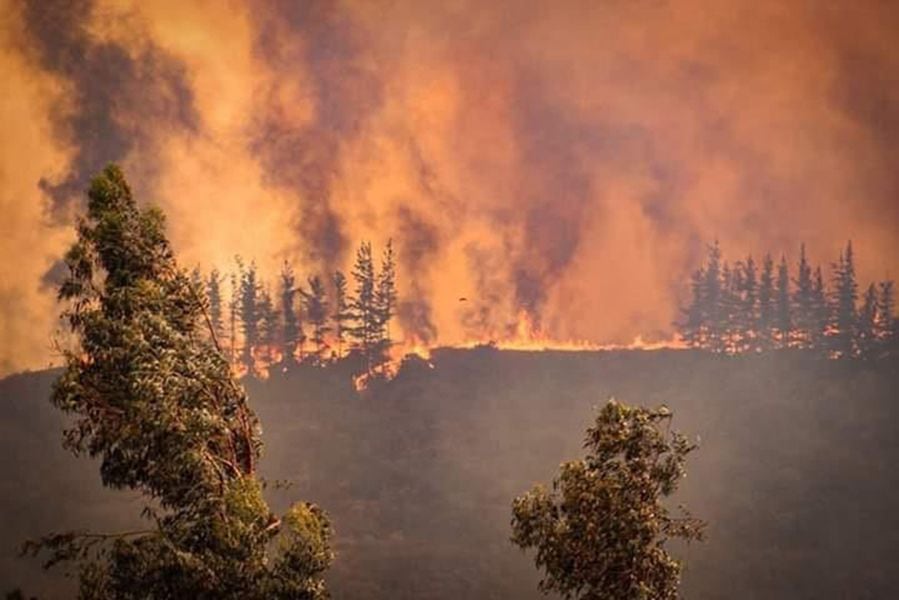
x: 795, y: 472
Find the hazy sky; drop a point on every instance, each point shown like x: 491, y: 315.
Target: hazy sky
x: 570, y: 159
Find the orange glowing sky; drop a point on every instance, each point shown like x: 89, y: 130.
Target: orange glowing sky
x: 570, y: 159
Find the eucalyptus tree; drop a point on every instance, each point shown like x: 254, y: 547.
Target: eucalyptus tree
x: 601, y: 531
x: 154, y: 399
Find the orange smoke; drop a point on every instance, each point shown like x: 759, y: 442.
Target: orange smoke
x: 559, y: 165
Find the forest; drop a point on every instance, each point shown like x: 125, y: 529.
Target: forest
x: 315, y: 322
x: 739, y: 308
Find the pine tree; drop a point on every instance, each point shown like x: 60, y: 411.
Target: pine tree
x: 731, y: 301
x: 315, y: 305
x: 713, y: 306
x: 782, y: 313
x: 292, y: 331
x: 234, y: 309
x: 766, y: 304
x: 803, y: 303
x: 385, y: 300
x: 820, y: 311
x: 365, y: 314
x: 154, y: 400
x: 693, y: 327
x: 886, y: 326
x: 749, y: 306
x: 196, y: 278
x: 867, y: 324
x: 269, y: 324
x: 250, y: 314
x: 844, y: 322
x: 214, y: 293
x: 342, y: 314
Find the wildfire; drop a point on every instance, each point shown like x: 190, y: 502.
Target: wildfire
x: 522, y: 336
x: 526, y: 336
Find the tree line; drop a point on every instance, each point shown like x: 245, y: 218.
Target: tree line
x: 316, y: 322
x: 744, y: 308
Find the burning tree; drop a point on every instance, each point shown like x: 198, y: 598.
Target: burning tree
x: 154, y: 399
x: 735, y: 310
x: 342, y: 314
x: 292, y: 334
x: 315, y: 305
x: 601, y: 531
x: 385, y: 298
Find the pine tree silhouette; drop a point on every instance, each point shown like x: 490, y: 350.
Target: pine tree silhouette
x: 783, y: 316
x: 887, y: 326
x: 269, y: 324
x: 820, y: 311
x: 748, y: 310
x: 766, y: 304
x: 715, y: 318
x: 385, y: 301
x: 250, y: 314
x: 867, y: 324
x: 844, y: 321
x: 234, y: 310
x: 363, y: 305
x: 315, y: 305
x: 342, y: 315
x: 291, y: 330
x: 693, y: 327
x: 214, y: 293
x: 803, y: 303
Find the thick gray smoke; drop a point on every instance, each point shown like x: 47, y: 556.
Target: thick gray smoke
x: 418, y: 244
x: 119, y: 100
x: 314, y: 46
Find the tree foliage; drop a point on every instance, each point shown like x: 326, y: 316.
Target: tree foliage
x: 154, y: 400
x: 732, y: 313
x: 602, y: 530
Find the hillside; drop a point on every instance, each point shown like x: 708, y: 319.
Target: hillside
x: 796, y: 471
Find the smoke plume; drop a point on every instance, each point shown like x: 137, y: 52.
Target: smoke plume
x: 567, y: 161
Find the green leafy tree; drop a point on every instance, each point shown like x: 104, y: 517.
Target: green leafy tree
x: 154, y: 400
x: 601, y: 532
x: 342, y: 314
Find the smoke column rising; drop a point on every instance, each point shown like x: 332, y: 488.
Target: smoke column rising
x: 569, y: 161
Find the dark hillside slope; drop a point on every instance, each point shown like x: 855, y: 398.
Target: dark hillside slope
x: 796, y: 472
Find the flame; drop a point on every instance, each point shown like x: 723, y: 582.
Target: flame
x: 527, y: 336
x: 524, y: 335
